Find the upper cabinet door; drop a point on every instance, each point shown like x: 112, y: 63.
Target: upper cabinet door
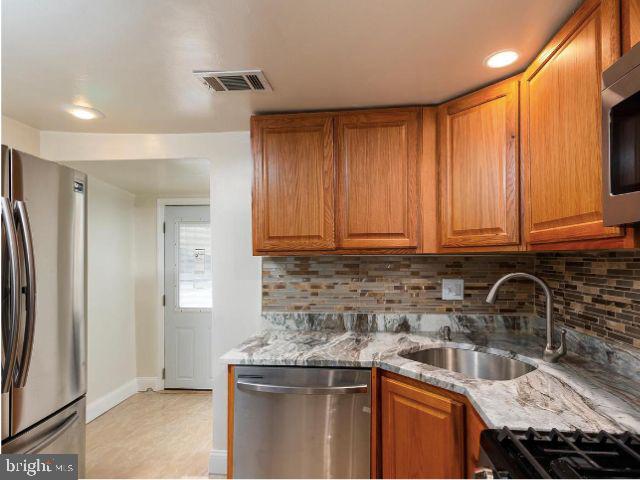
x: 630, y: 23
x: 478, y: 168
x: 561, y: 122
x: 293, y: 190
x: 377, y: 183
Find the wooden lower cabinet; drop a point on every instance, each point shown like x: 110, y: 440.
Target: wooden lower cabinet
x: 425, y: 432
x: 473, y: 428
x: 421, y: 433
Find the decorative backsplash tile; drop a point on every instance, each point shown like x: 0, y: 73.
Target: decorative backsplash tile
x: 397, y: 284
x: 594, y: 292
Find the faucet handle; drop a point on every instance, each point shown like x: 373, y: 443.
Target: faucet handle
x: 562, y: 349
x: 446, y: 333
x: 553, y: 354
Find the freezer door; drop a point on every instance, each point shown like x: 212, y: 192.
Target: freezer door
x: 54, y: 200
x: 63, y: 432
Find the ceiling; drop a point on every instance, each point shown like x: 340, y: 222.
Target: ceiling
x: 133, y: 59
x: 162, y: 177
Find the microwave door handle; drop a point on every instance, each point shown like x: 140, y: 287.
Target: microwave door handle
x: 329, y: 390
x: 9, y: 352
x: 24, y: 227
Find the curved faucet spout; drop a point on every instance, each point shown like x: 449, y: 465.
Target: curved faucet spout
x: 551, y: 353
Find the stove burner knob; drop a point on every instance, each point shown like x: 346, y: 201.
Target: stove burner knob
x: 483, y: 473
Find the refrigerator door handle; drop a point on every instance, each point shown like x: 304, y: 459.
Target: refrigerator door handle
x: 51, y: 437
x: 24, y: 227
x: 9, y: 351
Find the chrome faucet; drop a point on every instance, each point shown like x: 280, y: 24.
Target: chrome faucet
x: 551, y: 353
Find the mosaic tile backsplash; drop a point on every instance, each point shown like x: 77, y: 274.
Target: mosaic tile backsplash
x: 398, y: 284
x: 595, y: 292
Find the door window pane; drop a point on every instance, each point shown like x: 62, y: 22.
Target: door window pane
x: 194, y: 265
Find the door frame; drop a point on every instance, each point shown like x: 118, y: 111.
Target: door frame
x: 161, y: 204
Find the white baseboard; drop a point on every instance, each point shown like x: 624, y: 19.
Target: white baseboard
x: 153, y: 383
x: 218, y: 462
x: 111, y: 399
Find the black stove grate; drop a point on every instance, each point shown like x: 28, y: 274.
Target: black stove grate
x: 555, y: 454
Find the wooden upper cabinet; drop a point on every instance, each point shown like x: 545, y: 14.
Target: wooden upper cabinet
x: 377, y: 154
x: 293, y: 190
x: 478, y: 169
x: 428, y: 182
x: 422, y: 433
x: 630, y: 23
x: 561, y: 122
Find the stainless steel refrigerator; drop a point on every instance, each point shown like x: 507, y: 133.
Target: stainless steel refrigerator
x: 43, y: 306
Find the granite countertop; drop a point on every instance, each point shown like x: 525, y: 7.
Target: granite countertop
x: 574, y: 393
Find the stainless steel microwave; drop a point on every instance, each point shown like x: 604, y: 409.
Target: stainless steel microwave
x: 621, y: 140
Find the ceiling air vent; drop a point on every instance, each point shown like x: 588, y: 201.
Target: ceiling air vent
x: 233, y: 81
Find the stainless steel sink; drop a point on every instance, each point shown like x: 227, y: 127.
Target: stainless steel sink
x: 471, y: 363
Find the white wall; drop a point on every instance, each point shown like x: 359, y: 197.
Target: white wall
x: 236, y: 278
x: 236, y: 273
x: 148, y: 354
x: 18, y: 135
x: 111, y: 354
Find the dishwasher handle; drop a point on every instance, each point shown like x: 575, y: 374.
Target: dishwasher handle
x: 296, y: 390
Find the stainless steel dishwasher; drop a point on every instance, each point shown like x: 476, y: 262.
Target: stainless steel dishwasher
x: 298, y: 422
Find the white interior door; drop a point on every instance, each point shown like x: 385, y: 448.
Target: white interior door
x: 187, y: 286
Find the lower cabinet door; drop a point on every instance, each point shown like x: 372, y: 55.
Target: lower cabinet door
x: 422, y: 433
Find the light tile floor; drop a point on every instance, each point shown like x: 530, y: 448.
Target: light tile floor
x: 152, y: 435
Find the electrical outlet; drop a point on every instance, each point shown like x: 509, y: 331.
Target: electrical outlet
x: 452, y: 289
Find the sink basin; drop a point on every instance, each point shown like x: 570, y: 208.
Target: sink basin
x: 487, y: 366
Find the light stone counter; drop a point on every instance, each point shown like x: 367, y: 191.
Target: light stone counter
x: 574, y: 393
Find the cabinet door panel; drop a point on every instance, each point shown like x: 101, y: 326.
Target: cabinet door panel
x: 377, y: 158
x: 293, y: 183
x: 474, y: 426
x: 561, y: 131
x: 479, y: 168
x: 422, y: 433
x: 630, y: 23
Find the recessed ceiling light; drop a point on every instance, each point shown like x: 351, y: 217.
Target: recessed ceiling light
x: 84, y: 113
x: 501, y: 59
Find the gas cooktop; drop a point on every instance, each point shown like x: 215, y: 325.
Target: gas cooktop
x: 553, y: 454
